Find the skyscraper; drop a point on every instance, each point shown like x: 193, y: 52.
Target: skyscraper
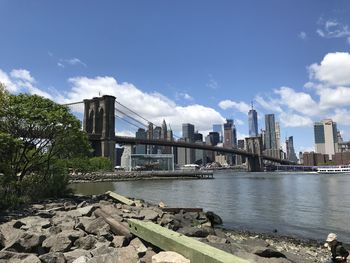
x: 140, y: 134
x: 188, y: 131
x: 228, y: 133
x: 218, y: 128
x: 270, y: 132
x: 278, y: 135
x: 253, y: 122
x: 291, y: 156
x: 326, y: 141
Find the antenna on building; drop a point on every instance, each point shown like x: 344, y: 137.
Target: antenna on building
x: 252, y: 103
x: 99, y: 93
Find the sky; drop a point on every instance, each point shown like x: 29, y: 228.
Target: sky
x: 196, y: 62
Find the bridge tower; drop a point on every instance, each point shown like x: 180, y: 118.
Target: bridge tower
x: 99, y: 123
x: 254, y: 145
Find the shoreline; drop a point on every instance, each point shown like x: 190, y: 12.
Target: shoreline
x: 244, y: 244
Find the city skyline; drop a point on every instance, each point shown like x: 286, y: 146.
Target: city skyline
x: 186, y: 65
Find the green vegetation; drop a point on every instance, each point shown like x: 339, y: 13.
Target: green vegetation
x: 40, y: 141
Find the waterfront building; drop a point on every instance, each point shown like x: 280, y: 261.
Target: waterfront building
x: 157, y: 135
x: 214, y: 138
x: 325, y: 133
x: 291, y: 156
x: 200, y: 155
x: 314, y: 159
x: 139, y: 148
x: 185, y: 155
x: 150, y: 137
x: 229, y: 137
x: 253, y: 122
x: 218, y: 128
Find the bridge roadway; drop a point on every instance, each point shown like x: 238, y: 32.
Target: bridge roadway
x: 133, y: 140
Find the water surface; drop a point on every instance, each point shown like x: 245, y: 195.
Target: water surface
x: 296, y: 204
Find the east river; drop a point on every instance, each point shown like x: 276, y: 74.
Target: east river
x: 301, y: 205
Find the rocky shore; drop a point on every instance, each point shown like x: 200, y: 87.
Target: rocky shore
x: 71, y: 230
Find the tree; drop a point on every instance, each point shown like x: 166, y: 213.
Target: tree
x: 39, y: 136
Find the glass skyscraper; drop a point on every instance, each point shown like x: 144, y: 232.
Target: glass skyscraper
x: 270, y: 132
x: 218, y: 128
x: 253, y: 123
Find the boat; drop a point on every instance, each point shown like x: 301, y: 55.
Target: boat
x: 339, y: 169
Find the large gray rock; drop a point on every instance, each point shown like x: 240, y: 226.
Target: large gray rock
x: 61, y: 242
x: 82, y: 259
x: 87, y: 242
x: 169, y: 257
x: 29, y: 243
x: 147, y: 258
x: 128, y: 254
x: 166, y: 219
x: 74, y: 254
x: 103, y: 249
x: 139, y: 246
x: 107, y: 258
x: 14, y: 257
x: 34, y: 223
x: 9, y: 233
x: 149, y: 214
x: 97, y: 227
x: 2, y: 241
x: 119, y: 241
x: 216, y: 239
x: 53, y: 257
x: 86, y: 211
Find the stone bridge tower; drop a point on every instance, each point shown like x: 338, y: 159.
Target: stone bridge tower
x: 99, y: 123
x: 254, y: 145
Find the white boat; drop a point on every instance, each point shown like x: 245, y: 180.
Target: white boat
x: 339, y: 169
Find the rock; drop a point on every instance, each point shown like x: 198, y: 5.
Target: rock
x: 82, y: 204
x: 169, y: 257
x: 119, y: 241
x: 63, y: 221
x: 166, y: 219
x: 74, y: 254
x: 141, y: 249
x: 269, y: 253
x: 29, y: 243
x: 12, y: 257
x: 86, y: 211
x: 9, y: 233
x: 107, y: 258
x: 101, y: 250
x: 53, y: 257
x: 216, y: 239
x: 194, y: 231
x: 35, y: 223
x: 2, y: 241
x: 87, y: 242
x: 127, y: 254
x: 18, y: 224
x: 147, y: 258
x: 97, y: 227
x: 213, y: 218
x: 61, y: 242
x: 82, y: 259
x: 149, y: 214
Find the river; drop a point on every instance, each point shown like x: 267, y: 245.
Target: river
x: 301, y: 205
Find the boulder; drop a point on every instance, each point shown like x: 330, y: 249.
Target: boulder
x: 74, y: 254
x: 53, y: 257
x: 166, y: 219
x: 87, y: 242
x: 82, y: 259
x: 61, y: 242
x: 269, y: 253
x: 147, y: 258
x: 119, y: 241
x: 86, y: 211
x: 213, y: 218
x: 28, y: 243
x: 97, y: 227
x: 12, y: 257
x: 139, y: 246
x: 169, y: 257
x: 127, y: 254
x: 103, y: 249
x: 2, y: 241
x: 9, y: 233
x: 107, y: 258
x: 149, y: 214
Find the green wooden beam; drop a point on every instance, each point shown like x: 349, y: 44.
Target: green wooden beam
x: 120, y: 198
x: 190, y: 248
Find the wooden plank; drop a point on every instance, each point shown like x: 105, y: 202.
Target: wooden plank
x: 190, y: 248
x: 117, y: 227
x: 178, y: 209
x: 120, y: 198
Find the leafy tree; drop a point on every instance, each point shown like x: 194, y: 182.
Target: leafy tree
x: 100, y: 164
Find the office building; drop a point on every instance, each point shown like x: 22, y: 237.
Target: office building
x: 270, y: 137
x: 139, y: 148
x: 325, y: 133
x: 291, y: 156
x: 278, y: 135
x: 253, y: 122
x: 214, y: 138
x: 198, y: 137
x: 188, y: 131
x: 218, y: 128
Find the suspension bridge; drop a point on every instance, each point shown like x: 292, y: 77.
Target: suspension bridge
x: 100, y: 115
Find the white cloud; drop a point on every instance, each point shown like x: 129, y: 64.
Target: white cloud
x: 240, y: 106
x: 239, y: 122
x: 63, y: 62
x: 341, y: 116
x: 302, y: 35
x: 213, y: 84
x: 334, y: 69
x: 270, y: 104
x: 153, y: 106
x: 22, y: 74
x: 183, y: 95
x: 298, y: 101
x: 295, y: 120
x: 334, y: 97
x: 333, y: 29
x: 5, y: 79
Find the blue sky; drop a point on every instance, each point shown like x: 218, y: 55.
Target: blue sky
x: 187, y: 61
